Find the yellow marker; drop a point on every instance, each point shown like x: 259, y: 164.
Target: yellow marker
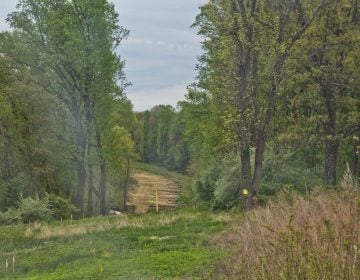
x: 245, y: 192
x: 157, y: 201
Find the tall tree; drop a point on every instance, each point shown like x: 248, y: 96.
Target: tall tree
x: 72, y: 57
x: 326, y: 79
x: 248, y: 45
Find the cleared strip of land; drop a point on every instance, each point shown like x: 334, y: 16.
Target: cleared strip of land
x: 142, y: 195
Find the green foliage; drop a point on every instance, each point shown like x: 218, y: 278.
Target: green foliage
x: 205, y: 183
x: 33, y: 209
x: 118, y: 148
x: 160, y: 140
x: 61, y: 208
x: 28, y: 210
x: 291, y: 168
x: 11, y: 216
x: 51, y: 132
x: 227, y: 192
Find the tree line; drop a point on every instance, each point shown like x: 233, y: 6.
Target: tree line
x: 275, y: 102
x: 64, y: 117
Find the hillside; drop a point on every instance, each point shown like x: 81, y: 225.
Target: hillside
x: 142, y: 196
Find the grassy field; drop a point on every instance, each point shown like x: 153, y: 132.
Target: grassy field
x: 172, y: 245
x: 292, y: 237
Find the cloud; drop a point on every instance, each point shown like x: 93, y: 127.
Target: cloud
x: 146, y: 99
x: 6, y: 7
x: 161, y: 50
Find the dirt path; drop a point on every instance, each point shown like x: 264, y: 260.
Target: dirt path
x: 141, y: 198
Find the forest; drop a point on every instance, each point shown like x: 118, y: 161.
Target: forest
x: 274, y: 112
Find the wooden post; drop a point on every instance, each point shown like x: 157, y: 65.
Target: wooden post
x: 157, y: 200
x: 6, y: 265
x: 13, y: 264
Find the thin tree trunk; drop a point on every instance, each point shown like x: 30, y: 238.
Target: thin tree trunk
x: 126, y: 184
x: 102, y: 187
x: 80, y: 162
x: 90, y: 204
x: 102, y: 183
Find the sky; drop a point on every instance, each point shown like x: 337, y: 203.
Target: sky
x: 161, y: 51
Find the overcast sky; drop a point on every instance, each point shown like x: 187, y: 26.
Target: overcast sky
x: 160, y: 52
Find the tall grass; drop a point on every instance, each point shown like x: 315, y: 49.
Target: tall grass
x: 101, y: 224
x: 293, y: 237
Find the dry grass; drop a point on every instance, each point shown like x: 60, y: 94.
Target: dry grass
x: 142, y: 195
x: 296, y: 238
x: 45, y: 231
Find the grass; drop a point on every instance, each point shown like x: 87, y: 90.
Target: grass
x: 293, y: 237
x: 172, y: 245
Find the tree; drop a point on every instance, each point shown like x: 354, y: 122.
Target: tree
x: 248, y: 45
x: 73, y: 58
x: 119, y: 151
x: 329, y: 76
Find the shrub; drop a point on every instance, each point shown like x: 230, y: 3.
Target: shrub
x: 228, y: 185
x: 9, y: 217
x: 205, y: 182
x: 61, y: 207
x: 287, y: 168
x: 33, y: 209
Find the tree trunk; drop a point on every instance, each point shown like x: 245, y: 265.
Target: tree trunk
x: 259, y: 158
x: 102, y: 187
x: 80, y: 162
x: 331, y: 147
x: 126, y: 183
x: 245, y: 168
x: 90, y: 204
x: 102, y: 184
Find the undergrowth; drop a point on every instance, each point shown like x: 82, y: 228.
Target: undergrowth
x: 295, y: 237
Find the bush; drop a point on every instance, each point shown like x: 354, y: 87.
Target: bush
x: 29, y: 210
x: 61, y: 207
x: 228, y: 184
x: 205, y: 182
x: 34, y: 209
x: 9, y: 217
x: 287, y: 168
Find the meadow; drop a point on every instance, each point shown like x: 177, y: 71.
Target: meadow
x: 172, y: 245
